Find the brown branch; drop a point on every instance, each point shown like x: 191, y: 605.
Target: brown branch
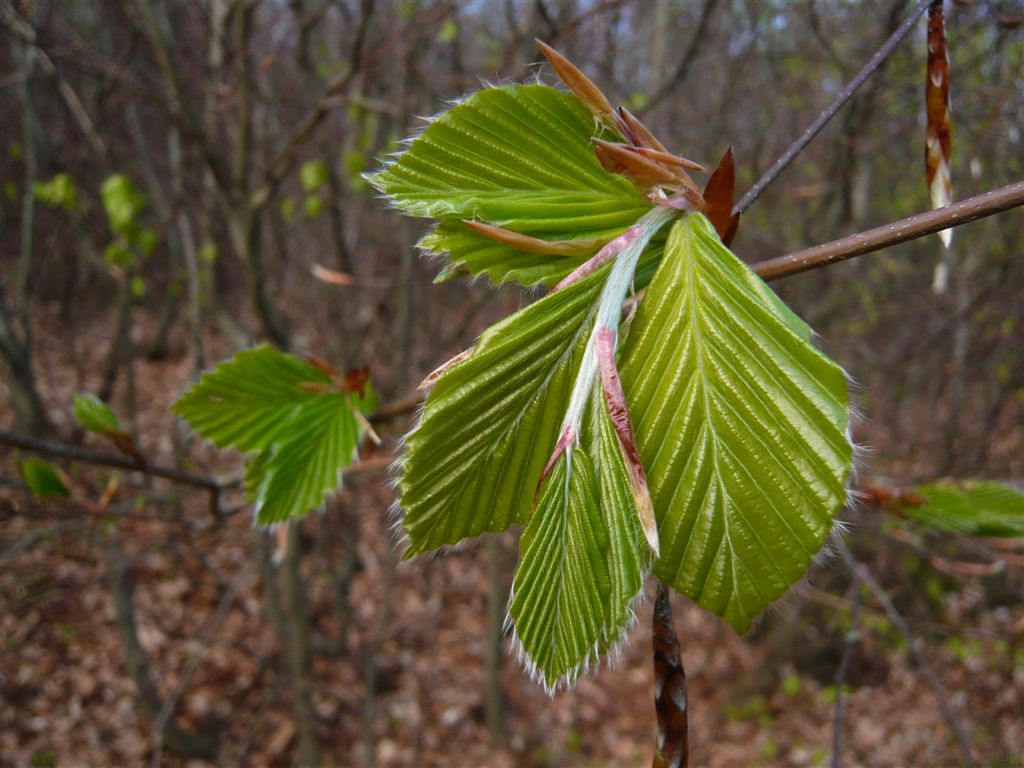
x: 844, y: 96
x: 819, y: 256
x: 977, y: 207
x: 288, y: 156
x: 861, y: 571
x: 78, y: 453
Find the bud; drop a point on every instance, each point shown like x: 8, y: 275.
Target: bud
x: 620, y: 158
x: 581, y: 85
x: 637, y: 132
x: 521, y: 242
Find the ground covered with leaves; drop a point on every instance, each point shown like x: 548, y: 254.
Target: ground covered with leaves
x: 416, y: 636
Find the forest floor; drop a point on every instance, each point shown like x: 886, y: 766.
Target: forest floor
x: 419, y: 630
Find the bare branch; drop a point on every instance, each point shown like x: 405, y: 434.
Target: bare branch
x: 977, y: 207
x: 844, y: 96
x: 77, y: 453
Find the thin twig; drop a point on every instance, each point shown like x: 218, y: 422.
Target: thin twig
x: 77, y: 453
x: 844, y: 96
x: 862, y: 572
x: 910, y: 228
x: 852, y: 638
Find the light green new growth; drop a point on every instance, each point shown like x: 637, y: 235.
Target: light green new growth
x: 94, y: 415
x: 969, y: 507
x: 518, y: 157
x: 740, y: 421
x: 298, y: 427
x: 43, y: 479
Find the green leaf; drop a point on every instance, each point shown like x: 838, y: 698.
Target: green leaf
x: 122, y: 202
x: 969, y: 507
x: 741, y: 424
x: 94, y: 415
x: 58, y: 192
x: 298, y: 425
x: 44, y: 480
x: 312, y: 206
x: 449, y: 31
x: 313, y: 174
x: 583, y: 558
x: 490, y: 422
x: 307, y: 462
x: 249, y: 401
x: 518, y: 157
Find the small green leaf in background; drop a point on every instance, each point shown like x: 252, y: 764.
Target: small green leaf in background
x: 11, y: 191
x: 298, y: 426
x: 94, y: 415
x: 58, y: 192
x: 137, y: 288
x: 287, y: 209
x: 146, y: 240
x: 208, y: 253
x: 969, y: 507
x: 313, y: 175
x: 449, y: 31
x: 122, y: 202
x: 312, y: 206
x: 44, y: 480
x: 118, y: 255
x: 355, y: 164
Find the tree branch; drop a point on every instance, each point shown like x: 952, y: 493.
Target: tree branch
x: 977, y: 207
x: 77, y: 453
x: 844, y: 96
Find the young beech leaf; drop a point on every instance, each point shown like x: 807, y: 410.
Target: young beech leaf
x: 583, y: 557
x: 491, y: 421
x: 247, y: 402
x: 741, y: 424
x: 970, y: 507
x: 44, y: 480
x: 518, y: 157
x: 307, y: 461
x: 299, y: 425
x: 94, y: 415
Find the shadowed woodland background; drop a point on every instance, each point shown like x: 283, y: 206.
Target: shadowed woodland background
x: 244, y: 127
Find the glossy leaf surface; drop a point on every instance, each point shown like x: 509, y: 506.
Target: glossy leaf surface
x: 519, y: 157
x: 582, y: 561
x: 741, y: 423
x: 298, y: 425
x: 490, y: 423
